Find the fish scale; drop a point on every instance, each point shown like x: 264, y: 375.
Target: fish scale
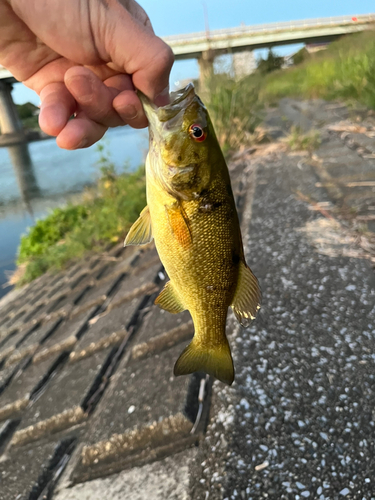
x: 191, y: 214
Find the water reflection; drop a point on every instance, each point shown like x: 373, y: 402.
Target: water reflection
x: 20, y: 158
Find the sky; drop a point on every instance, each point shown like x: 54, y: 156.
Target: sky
x: 171, y: 17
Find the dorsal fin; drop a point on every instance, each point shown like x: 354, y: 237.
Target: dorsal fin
x: 246, y: 302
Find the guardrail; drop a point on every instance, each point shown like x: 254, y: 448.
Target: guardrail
x: 274, y: 27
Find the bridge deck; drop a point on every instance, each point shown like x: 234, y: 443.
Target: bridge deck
x: 191, y: 45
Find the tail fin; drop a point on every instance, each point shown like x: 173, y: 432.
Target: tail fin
x: 216, y: 361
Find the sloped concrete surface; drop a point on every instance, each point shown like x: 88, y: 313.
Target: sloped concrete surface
x: 165, y: 479
x: 87, y: 391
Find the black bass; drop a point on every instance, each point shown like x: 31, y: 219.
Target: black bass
x: 191, y: 214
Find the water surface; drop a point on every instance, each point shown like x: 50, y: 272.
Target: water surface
x: 36, y: 177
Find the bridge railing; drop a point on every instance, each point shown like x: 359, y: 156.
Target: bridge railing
x: 270, y: 27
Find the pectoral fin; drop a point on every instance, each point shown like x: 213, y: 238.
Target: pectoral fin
x: 141, y: 232
x: 179, y: 224
x: 247, y: 298
x: 169, y: 300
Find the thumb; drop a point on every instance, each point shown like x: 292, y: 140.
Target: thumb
x: 134, y: 49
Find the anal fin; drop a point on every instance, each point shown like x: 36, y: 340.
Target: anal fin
x: 169, y: 300
x: 247, y: 298
x: 141, y: 232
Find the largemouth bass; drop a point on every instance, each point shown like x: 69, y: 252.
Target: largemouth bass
x: 192, y: 216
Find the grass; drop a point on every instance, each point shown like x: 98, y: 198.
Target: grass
x: 298, y: 141
x: 67, y: 234
x: 234, y: 109
x: 345, y: 71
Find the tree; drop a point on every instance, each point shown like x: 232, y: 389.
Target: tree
x: 27, y: 110
x: 272, y: 63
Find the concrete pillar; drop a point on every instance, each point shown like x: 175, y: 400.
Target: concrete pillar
x: 27, y: 183
x: 9, y: 120
x: 206, y: 69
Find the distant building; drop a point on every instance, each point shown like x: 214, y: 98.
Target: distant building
x: 244, y: 63
x: 288, y: 60
x: 311, y: 48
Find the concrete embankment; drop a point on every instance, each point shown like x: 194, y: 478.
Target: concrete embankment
x: 86, y: 359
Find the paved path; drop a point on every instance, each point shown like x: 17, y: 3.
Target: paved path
x: 89, y: 407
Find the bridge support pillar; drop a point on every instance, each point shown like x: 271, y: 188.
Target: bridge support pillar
x: 10, y: 124
x: 206, y: 69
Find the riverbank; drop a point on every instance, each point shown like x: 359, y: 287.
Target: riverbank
x: 103, y: 217
x: 88, y: 396
x: 345, y: 71
x: 37, y: 177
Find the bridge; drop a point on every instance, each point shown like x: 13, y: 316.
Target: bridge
x: 245, y: 37
x: 205, y: 46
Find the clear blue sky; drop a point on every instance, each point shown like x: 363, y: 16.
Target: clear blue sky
x: 170, y: 17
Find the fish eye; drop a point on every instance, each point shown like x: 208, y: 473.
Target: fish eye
x: 197, y: 133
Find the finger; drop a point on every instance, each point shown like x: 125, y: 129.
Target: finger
x: 119, y: 83
x: 57, y: 106
x: 147, y: 58
x: 137, y: 12
x: 129, y: 107
x: 93, y: 96
x: 153, y: 78
x: 126, y: 102
x: 81, y: 132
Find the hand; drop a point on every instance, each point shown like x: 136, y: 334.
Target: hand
x: 85, y: 57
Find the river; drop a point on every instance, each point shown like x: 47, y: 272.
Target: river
x: 36, y: 177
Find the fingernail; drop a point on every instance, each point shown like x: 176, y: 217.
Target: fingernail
x: 129, y: 112
x: 163, y: 98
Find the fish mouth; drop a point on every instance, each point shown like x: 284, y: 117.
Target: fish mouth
x: 180, y: 99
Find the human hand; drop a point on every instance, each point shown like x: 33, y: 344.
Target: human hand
x: 85, y: 57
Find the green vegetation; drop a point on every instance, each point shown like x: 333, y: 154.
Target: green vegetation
x: 346, y: 71
x: 298, y: 141
x: 28, y: 114
x: 27, y: 110
x: 272, y: 63
x: 301, y: 56
x: 234, y: 109
x: 66, y: 234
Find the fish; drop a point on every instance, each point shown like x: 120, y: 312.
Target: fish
x: 192, y: 217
